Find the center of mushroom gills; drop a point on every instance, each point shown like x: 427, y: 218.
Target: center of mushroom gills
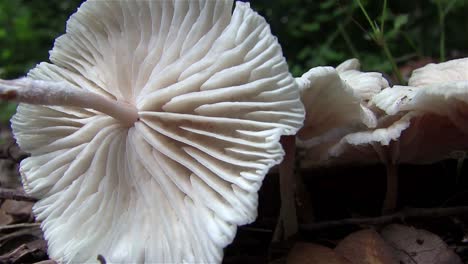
x: 132, y: 114
x: 124, y: 112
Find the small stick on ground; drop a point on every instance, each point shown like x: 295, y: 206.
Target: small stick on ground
x: 386, y: 219
x: 12, y: 194
x: 22, y: 225
x: 11, y: 151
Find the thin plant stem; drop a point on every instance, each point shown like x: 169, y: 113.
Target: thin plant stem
x: 412, y: 44
x: 371, y: 23
x: 449, y: 6
x: 406, y: 57
x: 383, y: 17
x: 379, y: 38
x: 346, y: 21
x: 391, y: 197
x: 348, y: 41
x: 387, y: 51
x: 442, y: 15
x: 442, y: 40
x: 390, y: 57
x: 442, y: 31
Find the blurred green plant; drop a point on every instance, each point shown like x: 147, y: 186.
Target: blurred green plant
x: 328, y: 32
x: 443, y: 8
x: 379, y: 36
x: 27, y: 32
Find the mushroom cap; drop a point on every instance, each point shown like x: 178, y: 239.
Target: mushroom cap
x: 398, y: 139
x: 336, y: 104
x: 364, y: 84
x: 331, y: 106
x: 349, y: 65
x: 213, y: 94
x: 445, y: 72
x: 420, y: 124
x: 437, y: 125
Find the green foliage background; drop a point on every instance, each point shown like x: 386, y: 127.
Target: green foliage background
x: 27, y: 32
x: 311, y: 32
x: 328, y: 32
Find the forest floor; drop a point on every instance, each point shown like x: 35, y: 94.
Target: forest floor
x: 341, y: 223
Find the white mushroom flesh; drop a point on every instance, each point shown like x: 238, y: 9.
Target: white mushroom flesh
x: 445, y: 72
x: 337, y: 103
x: 424, y: 123
x: 213, y: 96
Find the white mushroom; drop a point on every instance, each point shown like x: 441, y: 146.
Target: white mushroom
x: 336, y: 102
x: 153, y: 128
x: 364, y: 84
x: 434, y: 111
x: 446, y: 72
x: 422, y: 124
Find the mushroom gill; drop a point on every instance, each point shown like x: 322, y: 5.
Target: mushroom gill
x: 213, y: 95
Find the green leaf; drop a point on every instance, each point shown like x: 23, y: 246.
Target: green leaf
x: 6, y: 54
x: 7, y: 110
x: 304, y: 53
x: 3, y: 33
x: 310, y: 27
x: 400, y: 20
x: 296, y: 70
x: 327, y: 4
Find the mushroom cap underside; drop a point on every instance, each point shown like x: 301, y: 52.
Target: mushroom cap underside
x: 213, y: 94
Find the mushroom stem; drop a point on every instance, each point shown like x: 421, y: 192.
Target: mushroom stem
x: 29, y: 91
x: 287, y: 223
x: 391, y: 197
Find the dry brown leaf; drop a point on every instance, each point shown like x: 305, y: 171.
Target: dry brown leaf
x: 418, y: 246
x: 17, y: 208
x: 5, y: 219
x: 365, y: 247
x: 26, y: 252
x: 309, y: 253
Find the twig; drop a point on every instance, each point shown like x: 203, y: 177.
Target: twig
x: 12, y: 152
x: 23, y: 225
x: 18, y: 233
x: 255, y: 229
x: 12, y: 194
x: 385, y: 219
